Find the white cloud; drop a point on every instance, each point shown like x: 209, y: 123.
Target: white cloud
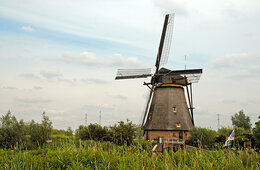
x: 232, y: 60
x: 170, y: 6
x: 94, y: 81
x: 49, y: 74
x: 107, y: 106
x: 119, y: 60
x: 9, y: 87
x: 37, y: 88
x: 31, y: 100
x: 206, y: 30
x: 55, y: 111
x: 57, y: 118
x: 248, y: 72
x: 102, y: 107
x: 90, y: 59
x: 121, y: 97
x: 67, y: 57
x: 29, y: 75
x: 28, y: 29
x: 70, y: 81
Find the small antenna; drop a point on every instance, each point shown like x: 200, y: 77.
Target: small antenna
x: 86, y: 119
x: 218, y: 121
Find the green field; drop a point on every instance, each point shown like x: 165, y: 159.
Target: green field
x: 74, y: 154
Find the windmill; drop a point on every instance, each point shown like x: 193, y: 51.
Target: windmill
x: 166, y: 113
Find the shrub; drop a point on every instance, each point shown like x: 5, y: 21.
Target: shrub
x: 202, y: 136
x: 11, y: 131
x: 40, y: 133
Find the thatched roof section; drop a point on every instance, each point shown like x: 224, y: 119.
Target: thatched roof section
x: 161, y: 113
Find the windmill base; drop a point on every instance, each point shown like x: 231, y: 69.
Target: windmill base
x: 166, y: 135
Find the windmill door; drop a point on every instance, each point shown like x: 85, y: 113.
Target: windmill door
x: 181, y: 135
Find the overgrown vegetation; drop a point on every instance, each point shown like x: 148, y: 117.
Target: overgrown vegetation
x: 71, y: 154
x: 121, y: 133
x: 202, y: 136
x: 24, y: 146
x: 30, y: 134
x: 256, y: 132
x: 243, y: 133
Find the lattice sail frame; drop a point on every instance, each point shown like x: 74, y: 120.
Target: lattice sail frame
x: 133, y: 73
x: 192, y: 78
x: 168, y: 40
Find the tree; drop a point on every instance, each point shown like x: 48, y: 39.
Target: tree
x: 69, y: 132
x: 40, y: 133
x: 82, y: 133
x: 201, y: 136
x: 225, y: 131
x: 256, y: 132
x: 123, y: 133
x: 46, y: 126
x: 241, y: 120
x: 93, y: 132
x: 221, y: 138
x: 58, y: 132
x: 96, y: 132
x: 11, y: 131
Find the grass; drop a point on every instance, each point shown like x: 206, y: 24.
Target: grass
x: 73, y: 154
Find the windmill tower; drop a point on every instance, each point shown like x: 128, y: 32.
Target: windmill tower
x: 167, y: 113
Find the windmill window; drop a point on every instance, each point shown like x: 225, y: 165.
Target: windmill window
x: 174, y: 109
x: 178, y: 125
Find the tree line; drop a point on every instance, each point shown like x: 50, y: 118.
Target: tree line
x: 32, y: 134
x: 121, y: 133
x: 243, y: 133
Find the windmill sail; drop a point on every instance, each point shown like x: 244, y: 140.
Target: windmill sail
x: 191, y: 75
x: 192, y: 78
x: 159, y: 53
x: 147, y: 105
x: 168, y: 40
x: 162, y: 56
x: 132, y: 73
x: 166, y: 112
x: 147, y: 100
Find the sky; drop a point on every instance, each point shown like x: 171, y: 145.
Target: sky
x: 61, y: 57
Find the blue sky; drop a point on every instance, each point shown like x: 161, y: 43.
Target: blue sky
x: 61, y: 57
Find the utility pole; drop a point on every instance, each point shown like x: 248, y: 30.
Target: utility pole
x: 218, y: 121
x: 100, y: 117
x: 86, y: 119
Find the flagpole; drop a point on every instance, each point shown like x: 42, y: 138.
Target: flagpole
x: 234, y: 137
x: 185, y: 62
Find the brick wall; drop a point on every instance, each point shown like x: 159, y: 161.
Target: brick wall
x: 152, y: 135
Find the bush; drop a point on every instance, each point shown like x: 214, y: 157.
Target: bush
x: 92, y: 132
x: 11, y: 131
x: 96, y: 155
x: 256, y: 132
x: 40, y: 133
x: 121, y: 133
x: 202, y: 136
x: 241, y: 120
